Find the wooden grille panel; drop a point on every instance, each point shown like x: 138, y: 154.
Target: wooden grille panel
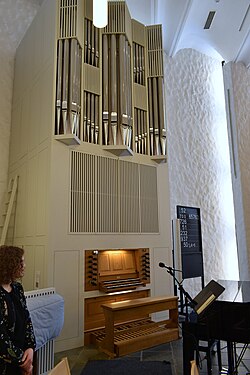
x: 155, y: 55
x: 82, y: 204
x: 129, y: 197
x: 148, y: 199
x: 112, y: 196
x: 68, y: 18
x: 107, y: 195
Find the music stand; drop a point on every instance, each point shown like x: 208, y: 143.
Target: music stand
x: 207, y: 295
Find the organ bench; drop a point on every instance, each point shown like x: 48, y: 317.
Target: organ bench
x: 129, y: 328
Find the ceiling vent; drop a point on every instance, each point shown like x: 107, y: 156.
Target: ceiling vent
x: 209, y: 20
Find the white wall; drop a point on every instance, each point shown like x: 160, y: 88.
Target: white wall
x: 9, y: 30
x: 241, y: 83
x: 198, y: 154
x: 237, y: 89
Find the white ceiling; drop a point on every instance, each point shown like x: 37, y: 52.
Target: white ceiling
x: 228, y: 37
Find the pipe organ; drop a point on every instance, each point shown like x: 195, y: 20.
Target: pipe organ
x: 109, y: 81
x: 96, y: 91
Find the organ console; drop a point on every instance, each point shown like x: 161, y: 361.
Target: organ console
x: 116, y: 275
x: 116, y: 270
x: 118, y: 319
x: 225, y: 319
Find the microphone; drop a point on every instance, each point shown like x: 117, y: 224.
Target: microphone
x: 163, y: 265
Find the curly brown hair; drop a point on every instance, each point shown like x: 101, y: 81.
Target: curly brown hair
x: 11, y: 258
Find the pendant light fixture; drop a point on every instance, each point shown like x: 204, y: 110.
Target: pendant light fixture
x: 100, y: 13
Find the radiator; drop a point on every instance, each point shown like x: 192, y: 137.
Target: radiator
x: 44, y: 356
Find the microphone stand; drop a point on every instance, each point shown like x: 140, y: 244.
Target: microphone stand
x: 188, y: 299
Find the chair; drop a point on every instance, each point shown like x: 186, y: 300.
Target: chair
x: 210, y: 349
x: 62, y: 368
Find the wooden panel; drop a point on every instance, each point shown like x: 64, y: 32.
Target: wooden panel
x: 140, y: 97
x: 35, y: 118
x: 46, y: 100
x: 94, y: 317
x: 24, y: 125
x: 152, y: 333
x: 93, y: 313
x: 66, y: 282
x: 91, y: 77
x: 104, y: 264
x: 88, y: 9
x: 116, y: 262
x: 15, y: 133
x: 42, y: 179
x: 21, y: 202
x: 39, y: 266
x: 129, y: 260
x: 28, y: 279
x: 139, y: 32
x: 31, y: 191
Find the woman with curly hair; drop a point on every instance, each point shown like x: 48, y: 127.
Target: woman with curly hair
x: 17, y: 341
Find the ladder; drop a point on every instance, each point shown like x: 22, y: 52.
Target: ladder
x: 12, y: 190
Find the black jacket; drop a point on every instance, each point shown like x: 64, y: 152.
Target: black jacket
x: 9, y: 352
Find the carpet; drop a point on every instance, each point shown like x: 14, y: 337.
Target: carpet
x: 126, y: 367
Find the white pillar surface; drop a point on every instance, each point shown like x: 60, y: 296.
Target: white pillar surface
x: 198, y: 154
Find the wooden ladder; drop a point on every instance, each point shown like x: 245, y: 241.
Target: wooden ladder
x: 12, y: 190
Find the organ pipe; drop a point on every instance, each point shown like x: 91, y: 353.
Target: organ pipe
x: 114, y: 77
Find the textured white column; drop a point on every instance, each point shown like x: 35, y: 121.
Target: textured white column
x: 198, y: 155
x: 237, y: 91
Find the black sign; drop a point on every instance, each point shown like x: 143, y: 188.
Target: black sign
x: 191, y: 242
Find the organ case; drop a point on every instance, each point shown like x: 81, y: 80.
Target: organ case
x: 109, y: 81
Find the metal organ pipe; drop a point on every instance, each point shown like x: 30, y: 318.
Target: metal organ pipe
x: 131, y: 63
x: 105, y: 77
x: 113, y: 88
x: 65, y: 84
x: 156, y: 118
x: 123, y: 119
x: 59, y: 84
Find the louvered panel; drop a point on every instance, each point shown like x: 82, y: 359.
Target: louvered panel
x: 68, y: 19
x: 119, y: 19
x: 107, y: 195
x: 149, y: 199
x: 155, y: 53
x: 129, y: 197
x: 82, y: 195
x: 116, y: 17
x: 110, y: 196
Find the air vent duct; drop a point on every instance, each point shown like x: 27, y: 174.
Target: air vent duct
x: 209, y: 20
